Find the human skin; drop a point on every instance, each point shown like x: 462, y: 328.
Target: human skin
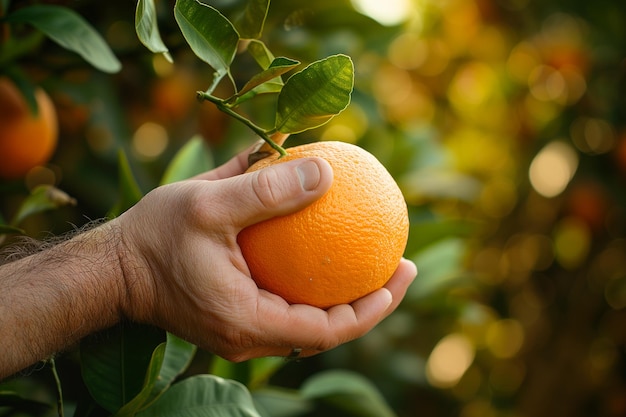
x: 173, y: 261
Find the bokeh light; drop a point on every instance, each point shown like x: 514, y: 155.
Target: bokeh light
x: 449, y: 360
x: 390, y: 12
x: 552, y: 168
x: 149, y: 141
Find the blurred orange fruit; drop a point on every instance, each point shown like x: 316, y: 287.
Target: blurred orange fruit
x: 340, y: 248
x: 26, y: 139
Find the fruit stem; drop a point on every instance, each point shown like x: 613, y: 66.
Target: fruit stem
x: 222, y: 106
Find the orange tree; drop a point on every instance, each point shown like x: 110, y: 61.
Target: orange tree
x: 138, y: 370
x: 520, y: 298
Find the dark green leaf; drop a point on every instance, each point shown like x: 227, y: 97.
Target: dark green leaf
x: 147, y: 28
x: 250, y: 23
x: 130, y: 193
x: 270, y: 76
x: 315, y: 95
x: 25, y: 86
x: 42, y: 198
x: 154, y: 368
x: 114, y: 363
x: 209, y: 34
x: 347, y: 391
x: 5, y: 229
x: 71, y: 31
x: 201, y: 396
x: 192, y: 159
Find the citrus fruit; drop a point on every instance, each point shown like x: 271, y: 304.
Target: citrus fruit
x: 343, y: 246
x: 26, y: 139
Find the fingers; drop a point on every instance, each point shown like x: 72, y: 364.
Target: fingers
x: 273, y: 191
x: 399, y: 283
x: 314, y: 330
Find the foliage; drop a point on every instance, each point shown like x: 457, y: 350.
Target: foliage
x: 132, y: 369
x: 518, y: 308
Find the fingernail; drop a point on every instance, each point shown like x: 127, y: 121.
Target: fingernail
x: 309, y: 174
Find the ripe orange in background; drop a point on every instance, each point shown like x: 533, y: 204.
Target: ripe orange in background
x: 26, y: 140
x: 343, y: 246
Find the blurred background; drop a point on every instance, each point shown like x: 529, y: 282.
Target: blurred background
x: 504, y: 123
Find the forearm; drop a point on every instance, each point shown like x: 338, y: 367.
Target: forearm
x: 51, y: 299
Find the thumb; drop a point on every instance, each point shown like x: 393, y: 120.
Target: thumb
x: 276, y: 190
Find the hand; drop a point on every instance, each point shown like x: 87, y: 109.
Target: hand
x: 185, y: 273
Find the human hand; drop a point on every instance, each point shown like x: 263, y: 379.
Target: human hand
x: 184, y: 271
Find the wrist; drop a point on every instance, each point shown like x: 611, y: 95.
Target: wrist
x: 135, y: 279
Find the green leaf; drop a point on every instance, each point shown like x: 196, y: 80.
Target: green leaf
x: 440, y: 267
x: 178, y: 356
x: 192, y: 159
x: 71, y: 31
x: 315, y: 95
x: 263, y: 56
x: 42, y: 198
x: 201, y: 396
x: 238, y: 371
x: 274, y: 402
x: 210, y: 35
x: 347, y: 391
x: 250, y: 23
x: 5, y: 229
x: 147, y: 28
x: 154, y: 367
x: 114, y: 363
x: 271, y: 75
x: 261, y: 369
x: 130, y: 193
x: 26, y: 87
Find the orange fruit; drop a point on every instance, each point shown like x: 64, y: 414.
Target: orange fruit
x: 343, y: 246
x: 26, y: 139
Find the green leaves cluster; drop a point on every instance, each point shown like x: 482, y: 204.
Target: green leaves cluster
x: 308, y: 99
x: 136, y: 370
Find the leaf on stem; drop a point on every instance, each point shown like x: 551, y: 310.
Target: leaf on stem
x: 261, y: 54
x: 210, y: 35
x: 147, y: 28
x: 268, y: 81
x: 250, y: 23
x: 42, y: 198
x: 71, y: 31
x: 313, y: 96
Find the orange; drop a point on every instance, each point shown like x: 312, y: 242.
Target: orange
x: 26, y: 139
x: 340, y: 248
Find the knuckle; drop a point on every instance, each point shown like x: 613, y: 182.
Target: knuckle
x: 266, y: 189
